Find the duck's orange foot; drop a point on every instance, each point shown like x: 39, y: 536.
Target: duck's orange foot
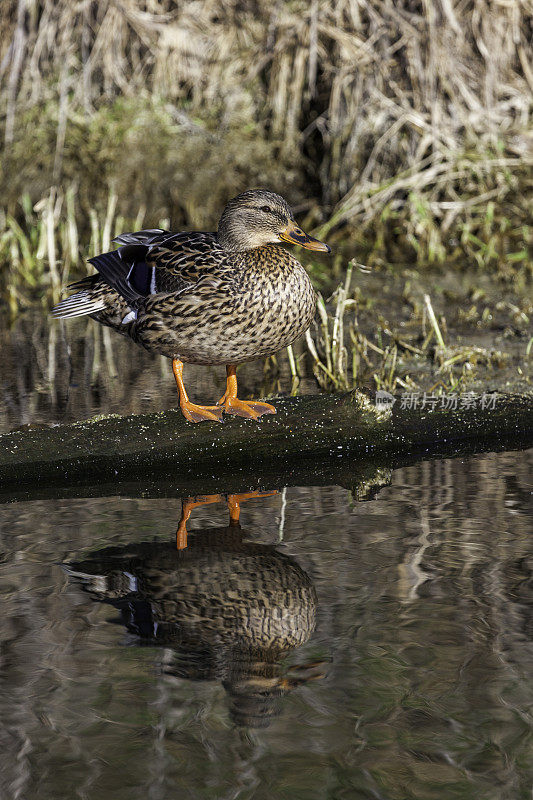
x: 234, y: 503
x: 250, y: 409
x: 196, y: 413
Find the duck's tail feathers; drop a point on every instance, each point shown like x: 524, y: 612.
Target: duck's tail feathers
x: 78, y: 305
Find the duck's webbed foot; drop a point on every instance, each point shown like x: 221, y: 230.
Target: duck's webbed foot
x: 191, y: 411
x: 250, y: 409
x: 195, y: 413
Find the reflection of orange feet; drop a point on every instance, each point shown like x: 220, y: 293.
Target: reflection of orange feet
x: 181, y: 537
x: 234, y: 503
x: 186, y: 508
x: 299, y: 674
x: 308, y: 665
x: 250, y: 409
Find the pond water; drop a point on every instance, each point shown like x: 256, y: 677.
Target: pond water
x: 328, y: 648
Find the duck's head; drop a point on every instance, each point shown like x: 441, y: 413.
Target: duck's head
x: 256, y: 218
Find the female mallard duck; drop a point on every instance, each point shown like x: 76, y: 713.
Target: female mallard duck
x: 207, y: 298
x: 224, y: 609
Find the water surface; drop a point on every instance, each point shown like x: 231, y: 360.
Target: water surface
x: 329, y: 648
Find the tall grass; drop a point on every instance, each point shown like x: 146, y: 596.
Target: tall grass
x: 42, y: 250
x: 403, y: 125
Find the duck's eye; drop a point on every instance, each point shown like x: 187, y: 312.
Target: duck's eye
x: 266, y: 209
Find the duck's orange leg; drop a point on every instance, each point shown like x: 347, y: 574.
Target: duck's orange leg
x: 251, y: 409
x: 233, y: 501
x: 186, y: 508
x: 191, y: 411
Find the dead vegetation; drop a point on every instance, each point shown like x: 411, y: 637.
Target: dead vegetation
x: 358, y: 339
x: 403, y: 126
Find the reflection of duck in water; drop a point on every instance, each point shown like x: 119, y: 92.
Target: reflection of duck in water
x: 233, y: 502
x: 230, y: 610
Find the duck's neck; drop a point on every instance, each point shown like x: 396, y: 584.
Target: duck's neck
x: 231, y: 242
x: 237, y: 237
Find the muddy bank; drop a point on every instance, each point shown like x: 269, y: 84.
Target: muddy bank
x: 409, y: 329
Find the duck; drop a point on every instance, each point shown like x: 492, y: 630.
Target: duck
x: 225, y: 609
x: 220, y: 298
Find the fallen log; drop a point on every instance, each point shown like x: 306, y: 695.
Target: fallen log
x: 318, y: 439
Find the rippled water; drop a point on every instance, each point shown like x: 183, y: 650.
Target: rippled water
x: 327, y: 649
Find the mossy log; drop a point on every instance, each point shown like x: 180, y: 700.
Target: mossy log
x: 339, y: 439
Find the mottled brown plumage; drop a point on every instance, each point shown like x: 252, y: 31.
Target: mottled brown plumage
x: 225, y: 609
x: 207, y: 298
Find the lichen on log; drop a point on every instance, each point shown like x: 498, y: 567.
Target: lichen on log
x: 309, y: 436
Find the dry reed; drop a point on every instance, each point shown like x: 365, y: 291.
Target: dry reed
x: 407, y: 123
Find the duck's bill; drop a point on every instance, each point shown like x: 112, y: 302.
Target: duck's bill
x: 296, y: 235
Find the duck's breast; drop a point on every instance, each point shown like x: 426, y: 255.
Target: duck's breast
x: 264, y: 305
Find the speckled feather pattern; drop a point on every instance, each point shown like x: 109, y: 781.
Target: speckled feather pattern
x: 213, y: 306
x: 220, y: 590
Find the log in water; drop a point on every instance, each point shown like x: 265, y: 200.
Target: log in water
x: 317, y: 439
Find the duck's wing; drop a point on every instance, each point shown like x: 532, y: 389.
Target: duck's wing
x: 160, y: 263
x: 150, y: 262
x: 146, y: 236
x: 183, y: 259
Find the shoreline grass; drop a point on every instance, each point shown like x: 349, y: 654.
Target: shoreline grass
x: 403, y: 128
